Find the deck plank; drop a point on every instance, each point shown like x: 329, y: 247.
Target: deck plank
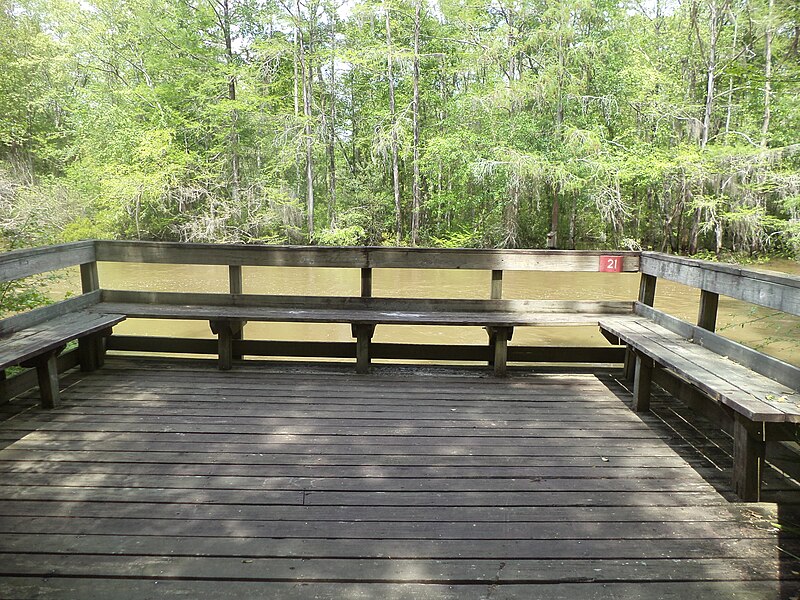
x: 179, y: 480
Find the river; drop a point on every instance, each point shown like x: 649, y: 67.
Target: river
x: 773, y: 333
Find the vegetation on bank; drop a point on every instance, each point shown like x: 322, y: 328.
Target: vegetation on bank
x: 668, y: 124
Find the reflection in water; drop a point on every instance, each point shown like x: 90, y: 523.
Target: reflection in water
x: 776, y: 334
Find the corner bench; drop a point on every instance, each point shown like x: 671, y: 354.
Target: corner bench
x: 36, y: 338
x: 761, y: 406
x: 227, y: 313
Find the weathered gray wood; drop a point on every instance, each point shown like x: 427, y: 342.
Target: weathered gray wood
x: 22, y: 382
x: 363, y: 335
x: 42, y: 314
x: 361, y: 304
x: 236, y: 286
x: 47, y: 374
x: 748, y: 458
x: 54, y: 587
x: 773, y: 290
x: 356, y: 257
x: 629, y: 365
x: 225, y: 331
x: 647, y: 289
x: 734, y: 385
x: 501, y: 336
x: 707, y: 315
x: 643, y: 377
x: 768, y: 366
x: 35, y: 340
x: 90, y: 347
x: 19, y: 264
x: 88, y: 353
x: 497, y: 285
x: 366, y: 283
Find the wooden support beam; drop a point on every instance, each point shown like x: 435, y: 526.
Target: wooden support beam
x: 236, y: 286
x: 47, y: 374
x: 366, y: 283
x: 225, y: 330
x: 647, y: 289
x: 707, y: 315
x: 749, y: 450
x: 641, y: 383
x: 89, y: 347
x: 363, y: 335
x: 497, y: 285
x: 501, y: 337
x: 629, y: 366
x: 88, y: 352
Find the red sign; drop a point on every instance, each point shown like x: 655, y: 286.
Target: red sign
x: 610, y: 264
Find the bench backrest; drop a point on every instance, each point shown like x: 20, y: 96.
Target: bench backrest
x: 366, y: 259
x: 772, y: 290
x: 19, y: 264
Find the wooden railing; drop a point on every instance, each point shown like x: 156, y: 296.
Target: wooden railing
x: 366, y: 259
x: 764, y: 289
x: 771, y: 290
x: 19, y: 264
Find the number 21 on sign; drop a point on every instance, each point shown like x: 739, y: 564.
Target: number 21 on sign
x: 610, y: 264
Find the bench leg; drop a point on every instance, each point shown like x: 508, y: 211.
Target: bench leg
x: 225, y: 331
x: 363, y: 335
x: 47, y: 372
x: 238, y: 334
x: 501, y: 337
x: 492, y: 333
x: 630, y: 364
x: 88, y: 352
x: 641, y: 383
x: 225, y: 348
x: 749, y: 450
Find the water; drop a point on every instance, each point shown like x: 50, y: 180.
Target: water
x: 773, y: 333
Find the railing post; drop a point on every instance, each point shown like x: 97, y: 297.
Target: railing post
x: 707, y: 315
x: 91, y: 350
x: 647, y: 295
x: 366, y: 282
x: 647, y: 289
x: 236, y: 287
x: 364, y: 333
x: 497, y: 284
x: 496, y: 293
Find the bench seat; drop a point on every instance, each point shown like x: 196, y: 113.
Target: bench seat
x: 38, y: 345
x: 36, y: 340
x: 755, y: 396
x: 753, y: 399
x: 227, y: 312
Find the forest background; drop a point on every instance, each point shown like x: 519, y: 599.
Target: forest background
x: 662, y: 124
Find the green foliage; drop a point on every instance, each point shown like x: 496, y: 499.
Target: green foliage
x: 176, y: 120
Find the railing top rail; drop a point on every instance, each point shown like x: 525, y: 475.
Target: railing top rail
x: 19, y: 264
x: 358, y: 257
x: 764, y: 288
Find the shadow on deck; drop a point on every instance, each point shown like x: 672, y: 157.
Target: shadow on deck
x: 159, y: 478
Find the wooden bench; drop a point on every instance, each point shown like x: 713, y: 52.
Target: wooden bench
x: 35, y: 338
x: 758, y: 394
x: 227, y: 313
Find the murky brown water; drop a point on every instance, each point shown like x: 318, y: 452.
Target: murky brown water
x: 770, y: 332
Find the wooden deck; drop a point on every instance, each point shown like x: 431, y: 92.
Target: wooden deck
x: 158, y: 478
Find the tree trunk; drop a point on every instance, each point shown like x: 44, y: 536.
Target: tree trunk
x: 767, y: 75
x: 224, y: 18
x: 305, y: 73
x: 332, y: 130
x: 395, y: 165
x: 711, y: 68
x: 416, y: 191
x: 730, y: 79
